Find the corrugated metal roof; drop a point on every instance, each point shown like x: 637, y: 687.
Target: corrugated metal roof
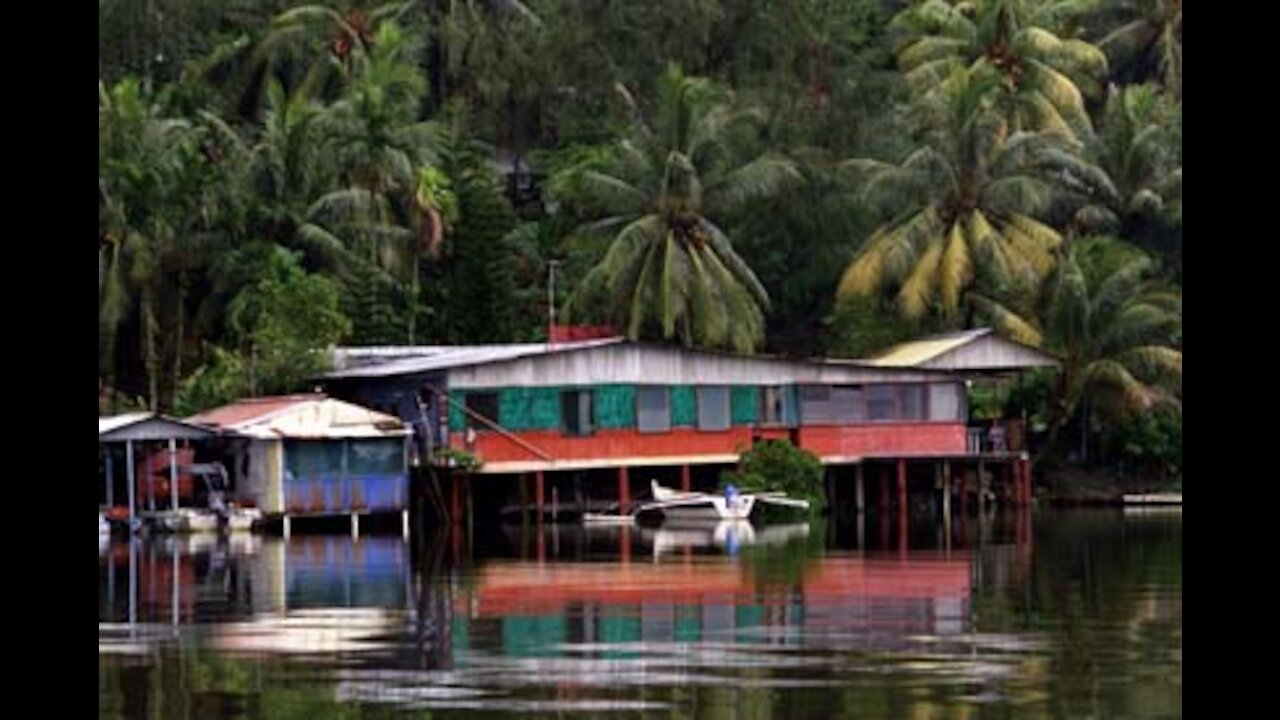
x: 968, y: 351
x: 146, y: 426
x: 916, y: 352
x: 430, y: 358
x: 301, y: 416
x: 249, y: 410
x: 115, y: 422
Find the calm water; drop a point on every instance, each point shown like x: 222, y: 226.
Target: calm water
x: 1064, y: 615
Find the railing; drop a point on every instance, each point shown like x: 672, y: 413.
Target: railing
x: 996, y: 437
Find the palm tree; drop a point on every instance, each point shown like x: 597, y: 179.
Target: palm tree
x: 1139, y: 194
x: 142, y: 159
x: 662, y: 190
x: 966, y: 209
x: 310, y: 48
x: 392, y: 204
x: 1117, y: 331
x: 1035, y: 79
x: 1148, y: 45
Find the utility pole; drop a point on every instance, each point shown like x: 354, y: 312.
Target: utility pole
x: 551, y: 300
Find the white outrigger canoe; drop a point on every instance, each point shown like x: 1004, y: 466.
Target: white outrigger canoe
x: 699, y: 506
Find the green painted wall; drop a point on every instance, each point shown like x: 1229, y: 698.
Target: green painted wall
x: 457, y: 420
x: 522, y: 409
x: 684, y: 406
x: 744, y: 405
x: 615, y: 406
x: 529, y: 408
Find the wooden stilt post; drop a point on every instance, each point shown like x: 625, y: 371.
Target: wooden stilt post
x: 903, y: 514
x: 902, y: 484
x: 624, y: 490
x: 983, y: 487
x: 686, y: 478
x: 860, y: 489
x: 455, y: 499
x: 946, y: 497
x: 173, y: 474
x: 111, y: 478
x: 1006, y: 482
x: 129, y: 475
x: 539, y: 494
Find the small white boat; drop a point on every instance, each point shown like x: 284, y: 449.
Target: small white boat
x: 203, y: 520
x: 681, y: 505
x: 607, y: 519
x: 186, y: 520
x: 241, y: 519
x: 1153, y: 499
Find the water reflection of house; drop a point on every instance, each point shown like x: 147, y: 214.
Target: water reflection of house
x: 314, y: 455
x: 839, y: 600
x: 248, y: 576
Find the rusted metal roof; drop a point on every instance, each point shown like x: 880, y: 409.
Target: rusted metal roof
x: 250, y: 410
x: 979, y: 350
x: 301, y: 417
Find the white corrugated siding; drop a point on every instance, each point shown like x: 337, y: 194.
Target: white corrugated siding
x: 636, y: 364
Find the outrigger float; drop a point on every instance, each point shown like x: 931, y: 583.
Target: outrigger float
x: 700, y: 506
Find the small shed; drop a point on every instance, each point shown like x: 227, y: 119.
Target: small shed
x: 131, y: 429
x: 314, y: 455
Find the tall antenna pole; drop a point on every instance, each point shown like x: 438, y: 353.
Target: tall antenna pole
x: 551, y: 300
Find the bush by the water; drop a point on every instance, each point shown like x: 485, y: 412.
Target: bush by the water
x: 778, y: 465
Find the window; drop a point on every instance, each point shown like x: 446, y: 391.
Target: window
x: 912, y: 402
x: 847, y: 405
x: 815, y: 405
x: 882, y: 403
x: 713, y: 408
x: 376, y: 456
x: 653, y: 409
x: 772, y: 405
x: 312, y: 458
x: 946, y: 402
x: 484, y: 404
x: 577, y: 413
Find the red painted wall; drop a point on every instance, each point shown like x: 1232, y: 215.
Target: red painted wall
x: 887, y: 440
x: 153, y: 477
x: 493, y: 447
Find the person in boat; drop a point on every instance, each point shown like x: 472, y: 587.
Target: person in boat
x: 732, y: 498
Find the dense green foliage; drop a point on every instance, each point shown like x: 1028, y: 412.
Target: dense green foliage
x: 798, y: 177
x: 777, y: 465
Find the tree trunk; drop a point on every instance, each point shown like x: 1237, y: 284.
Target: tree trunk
x: 179, y: 331
x: 149, y: 349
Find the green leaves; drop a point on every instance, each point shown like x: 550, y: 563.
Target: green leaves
x: 671, y: 271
